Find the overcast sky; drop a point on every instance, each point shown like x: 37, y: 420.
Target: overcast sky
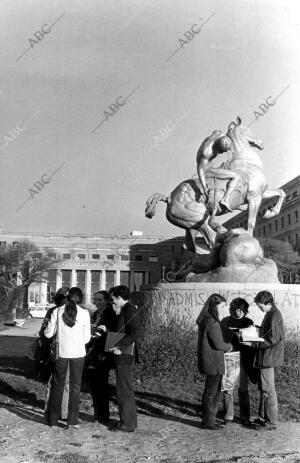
x: 56, y: 88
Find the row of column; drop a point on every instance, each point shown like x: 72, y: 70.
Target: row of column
x: 88, y: 281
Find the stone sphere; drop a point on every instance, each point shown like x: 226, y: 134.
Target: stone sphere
x: 241, y: 249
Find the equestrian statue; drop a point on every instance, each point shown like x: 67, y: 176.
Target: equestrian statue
x: 240, y: 184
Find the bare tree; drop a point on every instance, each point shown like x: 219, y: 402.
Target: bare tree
x: 21, y: 265
x: 285, y: 257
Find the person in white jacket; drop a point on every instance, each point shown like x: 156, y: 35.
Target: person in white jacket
x: 71, y: 324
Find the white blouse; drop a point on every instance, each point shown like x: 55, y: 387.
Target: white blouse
x: 71, y: 341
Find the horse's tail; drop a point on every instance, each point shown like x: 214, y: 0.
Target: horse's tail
x: 151, y: 204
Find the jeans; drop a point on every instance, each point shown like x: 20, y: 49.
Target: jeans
x: 125, y: 392
x: 65, y: 398
x: 210, y: 399
x: 244, y: 402
x: 59, y: 377
x: 268, y: 408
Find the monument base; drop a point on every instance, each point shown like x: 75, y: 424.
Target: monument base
x: 187, y: 299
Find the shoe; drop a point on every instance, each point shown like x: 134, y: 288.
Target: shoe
x: 104, y: 421
x: 259, y: 422
x: 74, y: 426
x: 213, y: 427
x: 248, y: 424
x: 228, y: 422
x: 269, y: 427
x: 122, y: 428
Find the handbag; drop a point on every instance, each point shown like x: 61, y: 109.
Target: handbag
x: 35, y: 350
x: 53, y: 350
x: 231, y: 377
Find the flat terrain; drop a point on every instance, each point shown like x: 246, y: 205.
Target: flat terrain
x: 167, y: 432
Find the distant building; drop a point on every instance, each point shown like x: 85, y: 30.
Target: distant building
x: 93, y: 262
x: 285, y: 226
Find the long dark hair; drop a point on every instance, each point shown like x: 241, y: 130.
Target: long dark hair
x: 70, y: 312
x: 210, y: 307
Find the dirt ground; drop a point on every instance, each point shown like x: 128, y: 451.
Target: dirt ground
x: 25, y: 438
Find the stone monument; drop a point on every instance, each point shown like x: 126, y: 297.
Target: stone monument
x: 227, y: 258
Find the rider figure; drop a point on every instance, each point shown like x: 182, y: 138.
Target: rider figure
x: 209, y: 149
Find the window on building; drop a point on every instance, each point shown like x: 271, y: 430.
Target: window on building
x: 125, y: 278
x: 52, y: 255
x: 282, y: 222
x: 140, y: 278
x: 173, y: 249
x: 138, y: 258
x: 289, y: 239
x: 296, y: 217
x: 66, y: 278
x: 124, y: 257
x: 81, y: 256
x: 2, y: 244
x: 96, y: 256
x: 276, y: 225
x: 288, y: 197
x: 51, y: 287
x: 95, y: 281
x: 80, y: 279
x: 110, y: 256
x: 66, y: 256
x: 153, y: 259
x: 15, y: 244
x: 259, y: 232
x: 295, y: 194
x: 109, y: 279
x: 270, y: 227
x: 289, y: 219
x: 264, y: 230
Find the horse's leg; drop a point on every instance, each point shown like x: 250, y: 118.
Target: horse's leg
x: 276, y: 209
x: 208, y: 233
x: 189, y: 242
x: 253, y: 206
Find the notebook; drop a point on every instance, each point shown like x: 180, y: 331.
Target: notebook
x: 112, y: 340
x: 250, y: 334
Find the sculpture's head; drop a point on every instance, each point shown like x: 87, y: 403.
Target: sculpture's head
x: 224, y: 144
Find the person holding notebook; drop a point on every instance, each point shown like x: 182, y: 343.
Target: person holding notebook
x: 125, y: 355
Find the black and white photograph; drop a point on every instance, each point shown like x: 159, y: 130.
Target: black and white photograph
x: 150, y: 231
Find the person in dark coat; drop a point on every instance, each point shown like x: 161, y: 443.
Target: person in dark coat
x: 231, y: 325
x: 211, y: 348
x: 129, y: 324
x: 269, y: 355
x: 99, y: 363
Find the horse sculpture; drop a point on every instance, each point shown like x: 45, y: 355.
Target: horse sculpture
x: 189, y: 209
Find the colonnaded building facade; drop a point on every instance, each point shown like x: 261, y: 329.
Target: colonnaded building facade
x: 93, y: 262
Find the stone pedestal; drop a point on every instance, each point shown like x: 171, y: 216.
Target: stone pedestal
x: 188, y: 299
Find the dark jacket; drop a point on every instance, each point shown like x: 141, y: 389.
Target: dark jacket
x: 211, y: 347
x: 95, y: 347
x: 270, y: 352
x: 128, y: 323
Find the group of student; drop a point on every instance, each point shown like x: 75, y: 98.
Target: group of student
x: 257, y: 361
x: 81, y: 342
